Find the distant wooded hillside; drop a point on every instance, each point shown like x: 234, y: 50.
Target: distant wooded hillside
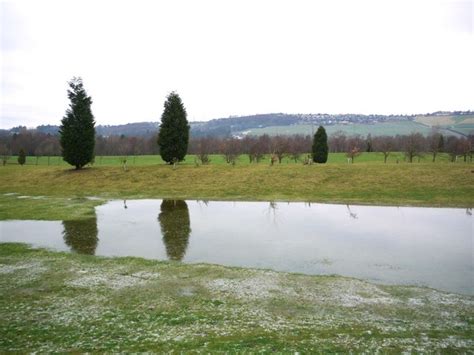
x: 449, y: 123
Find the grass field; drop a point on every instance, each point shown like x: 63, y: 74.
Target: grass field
x: 59, y: 302
x: 422, y: 124
x: 216, y: 159
x: 449, y: 120
x: 466, y: 128
x: 59, y: 192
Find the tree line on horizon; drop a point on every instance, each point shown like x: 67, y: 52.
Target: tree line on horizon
x: 78, y: 144
x: 294, y: 147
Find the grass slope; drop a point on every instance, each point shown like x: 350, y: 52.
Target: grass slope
x: 58, y: 302
x: 44, y: 188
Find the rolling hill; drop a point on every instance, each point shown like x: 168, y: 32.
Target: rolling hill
x: 449, y: 123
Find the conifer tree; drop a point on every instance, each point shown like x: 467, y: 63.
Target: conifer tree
x: 21, y: 157
x: 320, y: 146
x: 173, y: 136
x: 77, y: 131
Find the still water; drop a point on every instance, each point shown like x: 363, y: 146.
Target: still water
x: 411, y: 246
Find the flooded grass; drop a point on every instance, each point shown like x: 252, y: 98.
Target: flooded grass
x: 57, y: 302
x: 34, y: 207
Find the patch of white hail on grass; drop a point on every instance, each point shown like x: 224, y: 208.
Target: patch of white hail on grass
x: 28, y: 271
x: 448, y: 298
x: 187, y: 291
x: 347, y: 293
x: 74, y: 311
x: 23, y: 197
x: 34, y: 267
x: 111, y: 280
x: 146, y: 275
x: 352, y: 293
x: 261, y: 285
x: 10, y: 193
x: 424, y: 343
x: 415, y: 302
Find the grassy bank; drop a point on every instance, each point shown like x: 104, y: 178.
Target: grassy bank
x: 58, y: 302
x: 60, y: 191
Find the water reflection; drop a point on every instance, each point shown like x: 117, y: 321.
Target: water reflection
x: 81, y: 236
x: 175, y: 227
x: 272, y: 211
x: 351, y: 214
x: 205, y: 202
x: 410, y: 246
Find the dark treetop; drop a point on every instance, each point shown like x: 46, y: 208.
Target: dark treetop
x: 77, y: 131
x: 173, y: 136
x: 320, y: 146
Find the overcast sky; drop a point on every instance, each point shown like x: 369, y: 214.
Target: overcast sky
x: 235, y: 57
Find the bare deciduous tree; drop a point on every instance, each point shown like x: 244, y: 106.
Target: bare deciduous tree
x: 203, y: 150
x: 354, y: 148
x: 352, y: 153
x: 337, y: 142
x: 5, y: 154
x: 433, y: 144
x: 279, y: 147
x: 383, y: 144
x: 231, y: 150
x: 414, y: 146
x: 297, y: 145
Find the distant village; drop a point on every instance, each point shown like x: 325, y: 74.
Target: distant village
x: 228, y: 126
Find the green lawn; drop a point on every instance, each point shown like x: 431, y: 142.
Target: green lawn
x: 142, y: 160
x: 59, y: 192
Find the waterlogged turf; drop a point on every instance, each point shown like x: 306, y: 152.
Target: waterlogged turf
x: 57, y: 302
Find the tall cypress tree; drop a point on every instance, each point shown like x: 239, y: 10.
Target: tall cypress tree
x: 174, y: 130
x: 320, y: 146
x: 21, y: 157
x: 77, y: 131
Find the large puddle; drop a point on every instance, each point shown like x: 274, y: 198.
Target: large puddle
x: 408, y: 246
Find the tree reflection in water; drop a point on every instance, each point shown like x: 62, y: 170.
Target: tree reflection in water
x: 175, y: 227
x: 81, y: 235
